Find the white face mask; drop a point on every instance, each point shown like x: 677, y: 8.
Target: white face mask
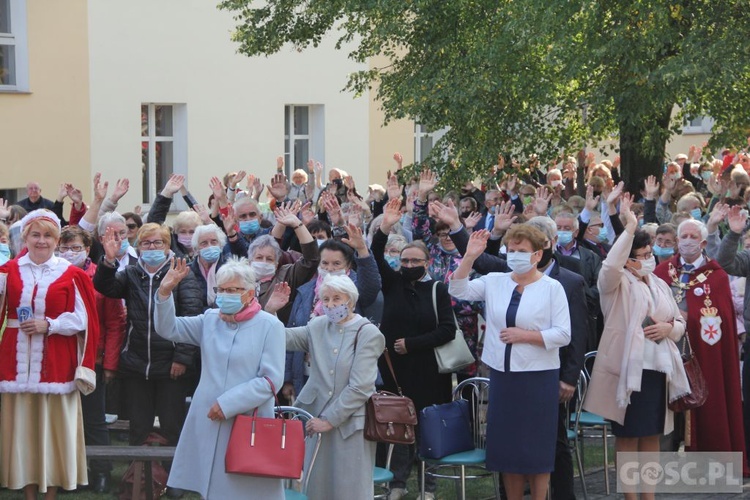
x: 647, y: 267
x: 520, y: 262
x: 75, y: 258
x: 262, y: 269
x: 338, y: 272
x: 555, y: 183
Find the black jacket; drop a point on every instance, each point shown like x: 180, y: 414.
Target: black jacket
x: 146, y: 354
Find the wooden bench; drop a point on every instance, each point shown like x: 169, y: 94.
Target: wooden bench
x: 137, y: 453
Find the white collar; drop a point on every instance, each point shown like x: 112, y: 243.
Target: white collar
x: 698, y: 262
x: 53, y: 261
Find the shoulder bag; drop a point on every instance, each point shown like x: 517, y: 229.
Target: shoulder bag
x: 389, y: 417
x: 445, y: 429
x: 266, y: 447
x: 455, y: 354
x: 698, y: 388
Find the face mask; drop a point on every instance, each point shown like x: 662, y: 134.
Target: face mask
x: 338, y: 272
x: 640, y: 222
x: 465, y: 214
x: 520, y: 262
x: 603, y: 235
x: 320, y: 242
x: 662, y: 252
x: 249, y: 226
x: 695, y: 213
x: 153, y: 258
x: 647, y: 267
x: 555, y: 183
x: 299, y: 184
x: 124, y: 247
x: 263, y: 269
x: 338, y: 182
x: 564, y: 237
x: 185, y: 240
x: 393, y: 261
x: 402, y: 220
x: 336, y: 313
x: 4, y: 253
x: 75, y: 258
x: 689, y: 248
x: 210, y: 254
x: 546, y: 257
x: 412, y: 273
x: 229, y: 303
x: 706, y: 175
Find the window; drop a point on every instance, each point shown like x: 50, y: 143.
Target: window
x: 698, y: 125
x: 163, y: 145
x: 13, y: 51
x: 303, y: 136
x: 424, y: 141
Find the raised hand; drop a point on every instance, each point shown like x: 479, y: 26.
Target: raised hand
x: 445, y: 213
x: 236, y: 179
x: 333, y: 209
x: 512, y: 183
x: 110, y: 244
x: 472, y: 220
x: 62, y: 191
x: 393, y: 188
x: 258, y: 188
x: 75, y: 194
x: 477, y: 244
x: 230, y: 221
x: 355, y: 215
x: 349, y: 182
x: 178, y: 270
x: 318, y: 168
x: 286, y: 217
x: 278, y: 188
x: 203, y: 213
x: 427, y: 182
x: 279, y: 164
x: 355, y: 238
x: 504, y: 217
x: 121, y: 188
x: 669, y: 183
x: 541, y: 200
x: 391, y: 214
x: 279, y: 297
x: 718, y: 214
x: 652, y: 187
x: 173, y: 185
x: 399, y: 160
x: 4, y: 212
x: 217, y: 188
x: 310, y: 166
x: 591, y: 201
x: 737, y: 219
x: 616, y: 163
x: 100, y: 189
x: 631, y: 221
x: 616, y: 193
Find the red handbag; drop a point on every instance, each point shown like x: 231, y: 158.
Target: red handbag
x: 266, y: 447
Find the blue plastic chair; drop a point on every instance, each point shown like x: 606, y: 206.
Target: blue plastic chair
x: 294, y: 413
x: 382, y: 476
x: 476, y: 391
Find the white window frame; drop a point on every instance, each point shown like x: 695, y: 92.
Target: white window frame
x: 179, y: 149
x: 315, y: 135
x: 18, y: 38
x: 420, y: 132
x: 705, y: 127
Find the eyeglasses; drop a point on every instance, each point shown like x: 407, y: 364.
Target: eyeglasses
x: 132, y: 226
x: 218, y: 289
x: 443, y: 235
x: 409, y: 262
x: 158, y: 244
x: 74, y: 248
x: 645, y: 256
x: 4, y: 221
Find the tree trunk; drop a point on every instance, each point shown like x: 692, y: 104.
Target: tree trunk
x: 642, y: 150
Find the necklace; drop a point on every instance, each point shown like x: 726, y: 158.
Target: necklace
x: 681, y: 288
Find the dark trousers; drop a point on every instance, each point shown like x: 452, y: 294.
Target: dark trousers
x: 149, y: 398
x: 95, y: 429
x: 403, y: 459
x: 562, y: 477
x: 746, y: 390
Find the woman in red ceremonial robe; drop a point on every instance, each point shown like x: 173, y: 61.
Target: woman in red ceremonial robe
x: 41, y: 426
x: 701, y: 289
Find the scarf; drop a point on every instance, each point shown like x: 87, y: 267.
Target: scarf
x: 246, y: 313
x: 210, y: 276
x: 660, y: 305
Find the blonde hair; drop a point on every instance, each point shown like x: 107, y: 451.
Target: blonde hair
x: 154, y: 228
x: 186, y: 218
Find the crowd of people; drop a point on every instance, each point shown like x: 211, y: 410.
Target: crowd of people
x: 305, y: 287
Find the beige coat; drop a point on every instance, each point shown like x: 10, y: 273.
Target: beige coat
x: 616, y: 285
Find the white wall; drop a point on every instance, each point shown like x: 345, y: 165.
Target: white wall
x: 179, y: 51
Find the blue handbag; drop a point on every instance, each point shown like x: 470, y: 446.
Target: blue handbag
x: 445, y: 429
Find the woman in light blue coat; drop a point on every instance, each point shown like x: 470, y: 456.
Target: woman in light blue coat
x: 344, y: 349
x: 240, y: 345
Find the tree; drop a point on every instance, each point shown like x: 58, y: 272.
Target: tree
x: 522, y: 76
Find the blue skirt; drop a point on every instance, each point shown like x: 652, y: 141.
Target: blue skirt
x: 522, y: 421
x: 647, y: 409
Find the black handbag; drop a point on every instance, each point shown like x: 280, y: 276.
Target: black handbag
x: 445, y: 429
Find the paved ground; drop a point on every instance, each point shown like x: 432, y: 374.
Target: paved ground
x: 596, y: 489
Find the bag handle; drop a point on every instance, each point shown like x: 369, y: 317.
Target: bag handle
x: 385, y: 352
x: 687, y: 343
x: 434, y: 308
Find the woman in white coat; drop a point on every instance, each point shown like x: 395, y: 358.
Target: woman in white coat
x: 240, y: 345
x: 344, y: 349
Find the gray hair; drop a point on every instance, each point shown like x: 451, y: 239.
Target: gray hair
x: 235, y: 268
x: 375, y: 226
x: 692, y: 222
x: 396, y: 240
x: 262, y: 242
x: 247, y: 200
x: 107, y: 219
x: 340, y: 284
x: 205, y: 229
x: 568, y: 215
x: 545, y: 225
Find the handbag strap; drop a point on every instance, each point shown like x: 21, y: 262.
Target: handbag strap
x: 434, y: 302
x: 275, y: 397
x: 356, y: 337
x: 687, y: 343
x: 385, y: 352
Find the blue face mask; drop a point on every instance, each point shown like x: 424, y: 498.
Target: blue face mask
x: 403, y: 219
x: 229, y: 303
x: 564, y: 237
x: 603, y: 235
x: 153, y: 258
x: 706, y: 175
x: 4, y: 253
x: 640, y: 222
x: 124, y: 246
x: 696, y: 213
x: 662, y: 253
x: 250, y: 226
x: 210, y: 254
x: 394, y: 261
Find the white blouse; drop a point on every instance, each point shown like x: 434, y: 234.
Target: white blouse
x: 543, y: 307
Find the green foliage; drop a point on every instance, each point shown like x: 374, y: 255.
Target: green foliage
x: 519, y: 76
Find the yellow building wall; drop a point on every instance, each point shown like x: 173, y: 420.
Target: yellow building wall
x: 45, y: 133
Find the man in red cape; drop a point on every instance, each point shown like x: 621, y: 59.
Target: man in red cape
x: 701, y: 289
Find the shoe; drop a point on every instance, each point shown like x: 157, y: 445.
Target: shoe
x: 175, y: 492
x: 397, y: 493
x: 100, y: 483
